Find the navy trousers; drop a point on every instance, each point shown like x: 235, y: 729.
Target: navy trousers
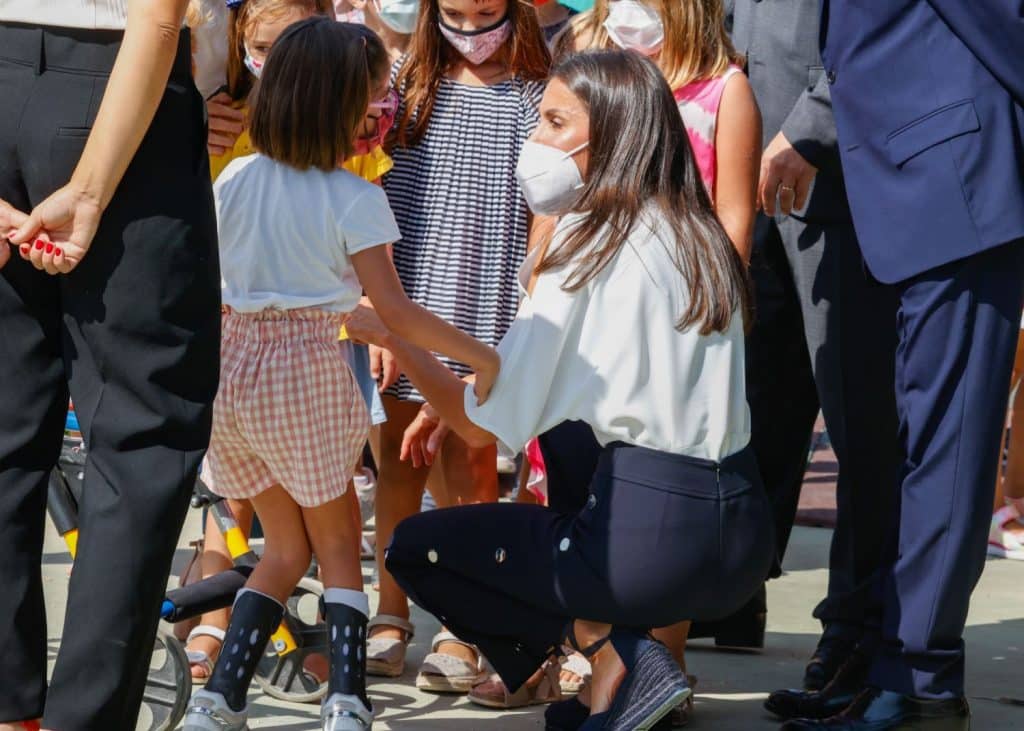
x: 660, y: 538
x: 958, y: 327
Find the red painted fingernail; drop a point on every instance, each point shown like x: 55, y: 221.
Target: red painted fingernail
x: 57, y: 252
x: 25, y: 249
x: 40, y: 244
x: 49, y: 248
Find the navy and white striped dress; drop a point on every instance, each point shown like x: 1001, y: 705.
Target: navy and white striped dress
x: 462, y: 216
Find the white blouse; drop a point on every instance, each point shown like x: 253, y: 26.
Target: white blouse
x: 610, y: 355
x: 106, y: 14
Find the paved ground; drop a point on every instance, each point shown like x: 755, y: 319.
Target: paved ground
x: 731, y: 686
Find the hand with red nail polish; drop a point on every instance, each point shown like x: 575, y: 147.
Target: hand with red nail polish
x: 68, y: 219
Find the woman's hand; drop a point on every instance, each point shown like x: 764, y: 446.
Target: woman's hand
x: 365, y: 326
x: 424, y: 438
x: 383, y: 367
x: 226, y: 124
x: 56, y: 236
x: 11, y: 219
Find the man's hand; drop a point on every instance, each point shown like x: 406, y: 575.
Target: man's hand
x: 56, y: 236
x: 383, y: 367
x: 11, y: 219
x: 424, y: 438
x: 226, y: 124
x: 785, y: 175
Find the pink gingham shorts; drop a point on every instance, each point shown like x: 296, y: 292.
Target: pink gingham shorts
x: 289, y: 410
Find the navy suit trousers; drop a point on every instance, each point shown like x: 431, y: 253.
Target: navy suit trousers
x: 958, y: 328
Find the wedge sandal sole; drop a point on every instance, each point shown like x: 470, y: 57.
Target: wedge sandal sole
x: 381, y: 669
x: 443, y: 684
x: 656, y: 687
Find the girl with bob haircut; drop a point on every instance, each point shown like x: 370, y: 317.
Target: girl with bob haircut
x: 300, y: 239
x: 254, y: 26
x: 632, y: 322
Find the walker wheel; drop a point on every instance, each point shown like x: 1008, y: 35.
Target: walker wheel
x: 168, y: 685
x: 289, y: 677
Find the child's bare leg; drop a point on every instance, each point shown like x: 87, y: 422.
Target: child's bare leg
x: 470, y: 476
x: 260, y: 605
x: 334, y: 532
x: 399, y: 493
x: 1011, y: 486
x: 215, y: 559
x: 286, y: 552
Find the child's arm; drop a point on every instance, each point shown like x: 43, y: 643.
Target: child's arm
x: 417, y: 325
x: 444, y: 391
x: 738, y: 147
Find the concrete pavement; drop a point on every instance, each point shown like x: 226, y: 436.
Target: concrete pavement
x: 731, y: 686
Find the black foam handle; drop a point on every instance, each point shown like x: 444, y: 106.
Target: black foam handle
x: 215, y: 592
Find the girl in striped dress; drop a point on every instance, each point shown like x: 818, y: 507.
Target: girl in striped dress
x: 470, y: 86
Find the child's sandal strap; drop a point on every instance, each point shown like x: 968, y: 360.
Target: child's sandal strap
x: 389, y: 620
x: 206, y: 630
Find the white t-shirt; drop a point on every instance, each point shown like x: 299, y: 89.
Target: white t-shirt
x: 106, y: 14
x: 609, y: 355
x: 286, y: 235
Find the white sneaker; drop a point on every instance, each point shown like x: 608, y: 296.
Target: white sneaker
x: 345, y: 713
x: 208, y: 711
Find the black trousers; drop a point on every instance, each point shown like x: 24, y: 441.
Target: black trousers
x: 824, y: 336
x: 659, y: 539
x: 134, y: 332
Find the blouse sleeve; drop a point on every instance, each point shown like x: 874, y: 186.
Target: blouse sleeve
x: 368, y: 221
x: 538, y: 351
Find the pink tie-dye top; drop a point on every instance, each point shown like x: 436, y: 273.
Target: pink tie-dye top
x: 698, y: 104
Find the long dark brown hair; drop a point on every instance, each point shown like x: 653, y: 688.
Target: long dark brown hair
x: 430, y: 57
x: 641, y: 162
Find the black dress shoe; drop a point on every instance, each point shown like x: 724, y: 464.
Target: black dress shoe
x: 742, y: 630
x: 832, y: 699
x: 831, y: 653
x: 883, y: 710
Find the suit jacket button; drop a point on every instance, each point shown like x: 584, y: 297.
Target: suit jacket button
x: 432, y: 556
x: 831, y: 76
x: 500, y: 555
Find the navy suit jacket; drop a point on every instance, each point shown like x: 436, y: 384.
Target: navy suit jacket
x: 928, y: 97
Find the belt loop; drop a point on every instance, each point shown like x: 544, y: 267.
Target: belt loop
x: 40, y: 65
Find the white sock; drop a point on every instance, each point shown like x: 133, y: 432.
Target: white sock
x: 254, y: 591
x: 358, y: 600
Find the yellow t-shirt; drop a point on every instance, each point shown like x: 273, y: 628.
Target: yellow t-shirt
x: 370, y: 166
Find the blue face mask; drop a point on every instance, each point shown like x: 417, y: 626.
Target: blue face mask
x: 398, y: 15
